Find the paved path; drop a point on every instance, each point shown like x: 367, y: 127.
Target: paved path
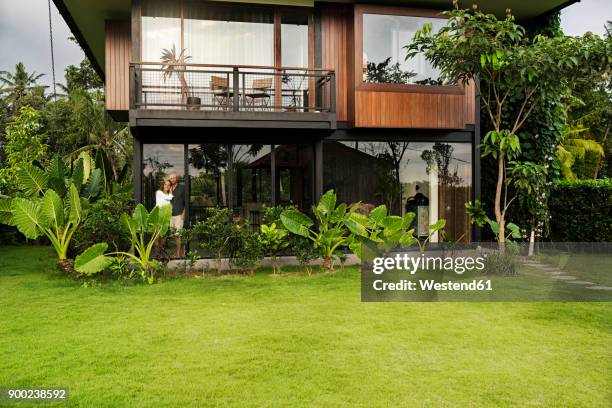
x: 555, y: 273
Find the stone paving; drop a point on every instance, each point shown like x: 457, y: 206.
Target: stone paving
x: 555, y: 273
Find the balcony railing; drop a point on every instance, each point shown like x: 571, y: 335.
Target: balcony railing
x: 201, y: 87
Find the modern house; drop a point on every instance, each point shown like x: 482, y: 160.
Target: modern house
x: 261, y: 102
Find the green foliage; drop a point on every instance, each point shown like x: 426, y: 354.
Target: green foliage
x: 24, y: 143
x: 479, y: 217
x: 330, y: 232
x: 517, y: 75
x: 92, y: 260
x: 51, y: 216
x: 145, y: 229
x: 214, y: 230
x: 581, y: 210
x: 103, y: 224
x: 273, y: 240
x: 383, y: 73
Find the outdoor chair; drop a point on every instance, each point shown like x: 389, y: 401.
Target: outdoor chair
x: 259, y: 94
x: 222, y: 94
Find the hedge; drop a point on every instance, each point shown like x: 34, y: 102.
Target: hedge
x: 581, y: 211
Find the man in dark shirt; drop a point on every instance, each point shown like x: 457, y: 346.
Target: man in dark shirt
x: 178, y: 211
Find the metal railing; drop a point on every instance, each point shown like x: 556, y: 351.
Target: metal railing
x: 199, y: 87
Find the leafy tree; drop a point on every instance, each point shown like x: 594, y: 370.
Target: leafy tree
x: 82, y: 77
x: 516, y: 72
x: 24, y: 144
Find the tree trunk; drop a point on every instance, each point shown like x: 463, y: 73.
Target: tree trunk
x: 531, y: 239
x: 328, y: 263
x: 66, y: 266
x: 499, y: 215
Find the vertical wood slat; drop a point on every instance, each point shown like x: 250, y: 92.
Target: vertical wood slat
x: 336, y: 44
x: 117, y: 49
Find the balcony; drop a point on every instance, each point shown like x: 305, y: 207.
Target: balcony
x: 201, y: 95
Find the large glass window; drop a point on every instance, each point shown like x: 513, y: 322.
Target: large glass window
x: 294, y: 175
x: 384, y: 37
x: 433, y: 180
x: 159, y: 162
x: 251, y: 181
x: 229, y: 35
x: 208, y: 177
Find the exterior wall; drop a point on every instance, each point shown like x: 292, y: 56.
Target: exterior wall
x: 336, y: 54
x: 117, y: 62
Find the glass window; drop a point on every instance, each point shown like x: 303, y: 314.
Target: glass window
x: 294, y: 175
x: 433, y: 180
x: 384, y: 37
x: 252, y: 181
x: 229, y: 34
x: 294, y: 40
x: 159, y: 161
x: 208, y: 178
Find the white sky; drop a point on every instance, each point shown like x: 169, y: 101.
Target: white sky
x: 24, y: 33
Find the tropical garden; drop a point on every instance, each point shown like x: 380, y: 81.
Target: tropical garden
x: 87, y: 281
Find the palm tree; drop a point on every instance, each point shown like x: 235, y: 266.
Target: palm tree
x: 104, y: 134
x: 19, y: 83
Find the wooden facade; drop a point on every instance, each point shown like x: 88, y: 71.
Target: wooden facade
x: 335, y: 42
x: 117, y: 63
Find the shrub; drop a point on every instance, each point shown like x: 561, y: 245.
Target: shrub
x: 104, y: 225
x: 581, y: 210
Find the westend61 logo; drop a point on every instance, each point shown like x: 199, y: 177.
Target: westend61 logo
x: 411, y: 264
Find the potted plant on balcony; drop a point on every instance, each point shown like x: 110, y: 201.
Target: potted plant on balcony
x: 176, y: 63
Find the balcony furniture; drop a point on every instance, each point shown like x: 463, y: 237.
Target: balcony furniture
x: 222, y: 95
x: 259, y: 94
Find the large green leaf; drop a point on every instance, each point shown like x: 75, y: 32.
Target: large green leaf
x: 296, y: 222
x: 338, y: 214
x: 378, y: 214
x: 327, y: 203
x: 93, y: 260
x: 408, y: 218
x: 56, y: 174
x: 26, y: 215
x: 140, y: 216
x: 93, y: 188
x: 88, y: 165
x: 78, y: 173
x: 31, y: 179
x: 51, y: 210
x: 103, y: 163
x: 6, y: 217
x: 163, y: 222
x: 74, y: 202
x: 153, y: 219
x: 355, y: 226
x: 392, y: 225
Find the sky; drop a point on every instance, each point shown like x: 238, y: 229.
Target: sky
x: 24, y: 33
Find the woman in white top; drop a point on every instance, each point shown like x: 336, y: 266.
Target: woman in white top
x: 164, y: 195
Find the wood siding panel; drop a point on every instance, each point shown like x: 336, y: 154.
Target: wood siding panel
x: 470, y: 103
x: 409, y: 110
x: 117, y: 61
x: 336, y: 53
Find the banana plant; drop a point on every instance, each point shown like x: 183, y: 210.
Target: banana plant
x: 329, y: 234
x: 51, y: 216
x: 145, y: 229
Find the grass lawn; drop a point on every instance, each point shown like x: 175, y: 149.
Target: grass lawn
x: 290, y: 341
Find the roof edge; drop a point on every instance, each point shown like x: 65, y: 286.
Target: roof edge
x: 63, y: 10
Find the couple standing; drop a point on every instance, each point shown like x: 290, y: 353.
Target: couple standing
x: 172, y: 193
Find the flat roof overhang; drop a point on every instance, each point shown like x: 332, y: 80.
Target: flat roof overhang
x: 222, y: 119
x: 86, y: 18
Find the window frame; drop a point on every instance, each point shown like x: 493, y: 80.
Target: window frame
x: 361, y: 85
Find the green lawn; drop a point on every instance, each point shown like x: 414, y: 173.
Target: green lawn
x: 290, y: 341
